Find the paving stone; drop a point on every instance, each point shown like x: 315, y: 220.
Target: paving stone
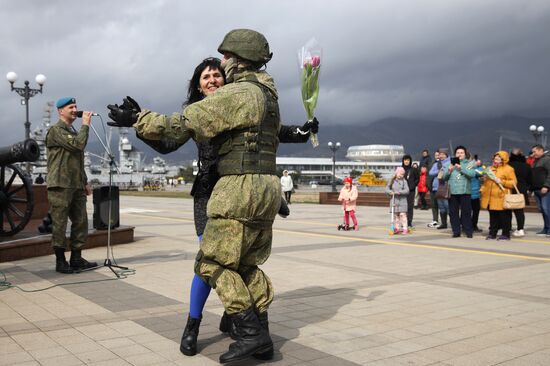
x: 341, y: 298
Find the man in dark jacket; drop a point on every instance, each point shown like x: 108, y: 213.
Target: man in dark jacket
x: 412, y: 175
x: 426, y: 159
x: 524, y: 175
x: 541, y: 185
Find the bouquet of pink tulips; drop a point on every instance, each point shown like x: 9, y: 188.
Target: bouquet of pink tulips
x: 309, y: 57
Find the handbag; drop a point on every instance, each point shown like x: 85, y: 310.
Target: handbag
x: 442, y: 192
x: 514, y: 201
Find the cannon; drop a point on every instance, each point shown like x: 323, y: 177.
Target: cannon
x: 16, y: 197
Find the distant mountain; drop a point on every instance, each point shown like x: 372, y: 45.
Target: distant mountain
x: 479, y: 136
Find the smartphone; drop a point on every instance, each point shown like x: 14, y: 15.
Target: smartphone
x: 455, y: 161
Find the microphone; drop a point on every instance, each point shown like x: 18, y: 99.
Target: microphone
x: 80, y: 113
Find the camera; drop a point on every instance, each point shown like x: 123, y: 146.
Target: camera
x: 455, y: 161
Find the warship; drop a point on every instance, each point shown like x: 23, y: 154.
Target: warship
x: 129, y: 171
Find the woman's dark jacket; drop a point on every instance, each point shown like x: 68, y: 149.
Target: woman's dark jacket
x: 412, y: 175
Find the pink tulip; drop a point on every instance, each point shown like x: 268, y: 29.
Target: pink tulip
x: 316, y: 61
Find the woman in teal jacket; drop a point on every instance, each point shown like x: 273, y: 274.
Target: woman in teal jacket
x: 458, y: 176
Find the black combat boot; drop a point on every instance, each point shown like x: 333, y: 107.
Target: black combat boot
x: 188, y: 345
x: 443, y: 221
x: 78, y: 263
x: 61, y: 264
x: 252, y: 338
x: 226, y: 326
x: 268, y: 354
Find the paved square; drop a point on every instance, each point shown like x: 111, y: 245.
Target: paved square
x: 342, y: 298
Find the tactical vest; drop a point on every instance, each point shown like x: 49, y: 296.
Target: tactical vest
x: 251, y: 150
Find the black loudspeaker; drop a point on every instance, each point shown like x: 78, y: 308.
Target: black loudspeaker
x: 101, y: 207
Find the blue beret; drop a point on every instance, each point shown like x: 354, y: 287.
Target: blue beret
x: 62, y: 102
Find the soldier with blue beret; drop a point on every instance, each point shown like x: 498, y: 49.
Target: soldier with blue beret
x: 68, y: 185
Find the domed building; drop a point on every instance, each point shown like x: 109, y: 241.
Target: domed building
x: 376, y: 153
x: 382, y: 159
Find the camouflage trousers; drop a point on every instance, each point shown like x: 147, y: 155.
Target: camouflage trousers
x: 68, y: 203
x: 237, y: 239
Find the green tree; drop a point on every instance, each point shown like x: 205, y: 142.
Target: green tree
x: 187, y: 173
x: 355, y: 173
x: 296, y: 176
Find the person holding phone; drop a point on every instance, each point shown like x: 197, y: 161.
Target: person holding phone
x: 459, y: 173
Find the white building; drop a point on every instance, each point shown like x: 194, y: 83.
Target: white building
x: 376, y: 153
x: 382, y: 159
x: 318, y: 169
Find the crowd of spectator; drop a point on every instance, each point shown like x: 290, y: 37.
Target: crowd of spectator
x: 460, y: 185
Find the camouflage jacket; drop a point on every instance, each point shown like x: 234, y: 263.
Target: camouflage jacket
x: 66, y: 156
x: 234, y: 106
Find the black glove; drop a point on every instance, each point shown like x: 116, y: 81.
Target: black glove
x: 311, y: 126
x: 125, y: 115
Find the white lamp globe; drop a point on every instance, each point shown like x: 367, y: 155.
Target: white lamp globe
x: 11, y: 76
x: 532, y: 128
x: 540, y: 128
x: 330, y: 144
x: 40, y: 79
x: 337, y: 144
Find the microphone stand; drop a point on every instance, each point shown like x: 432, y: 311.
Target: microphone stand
x: 110, y: 263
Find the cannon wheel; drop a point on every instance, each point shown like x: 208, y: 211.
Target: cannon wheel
x: 16, y: 200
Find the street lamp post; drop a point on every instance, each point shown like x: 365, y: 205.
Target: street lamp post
x: 333, y: 147
x: 26, y: 93
x: 538, y: 132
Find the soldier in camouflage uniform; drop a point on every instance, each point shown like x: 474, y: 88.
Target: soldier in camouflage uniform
x: 243, y: 120
x: 67, y: 185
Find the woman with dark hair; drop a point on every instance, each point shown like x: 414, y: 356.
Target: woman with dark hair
x: 459, y: 173
x: 207, y: 78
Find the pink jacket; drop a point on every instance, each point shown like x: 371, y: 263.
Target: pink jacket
x: 348, y: 198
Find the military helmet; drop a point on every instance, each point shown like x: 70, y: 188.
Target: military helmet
x: 247, y: 44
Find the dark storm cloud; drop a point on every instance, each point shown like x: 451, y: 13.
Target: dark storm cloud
x: 440, y: 60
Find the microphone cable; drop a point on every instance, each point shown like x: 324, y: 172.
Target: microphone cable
x: 6, y: 285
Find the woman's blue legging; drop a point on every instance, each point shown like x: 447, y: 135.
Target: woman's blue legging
x: 199, y: 294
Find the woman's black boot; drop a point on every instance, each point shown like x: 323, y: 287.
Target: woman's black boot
x: 188, y: 344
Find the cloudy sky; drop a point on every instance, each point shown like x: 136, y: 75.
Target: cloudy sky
x: 433, y: 59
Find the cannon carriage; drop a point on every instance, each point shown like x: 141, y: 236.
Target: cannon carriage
x: 16, y: 196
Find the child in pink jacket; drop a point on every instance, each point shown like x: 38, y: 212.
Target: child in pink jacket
x: 348, y: 197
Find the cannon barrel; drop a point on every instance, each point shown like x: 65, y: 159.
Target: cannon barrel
x: 27, y: 150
